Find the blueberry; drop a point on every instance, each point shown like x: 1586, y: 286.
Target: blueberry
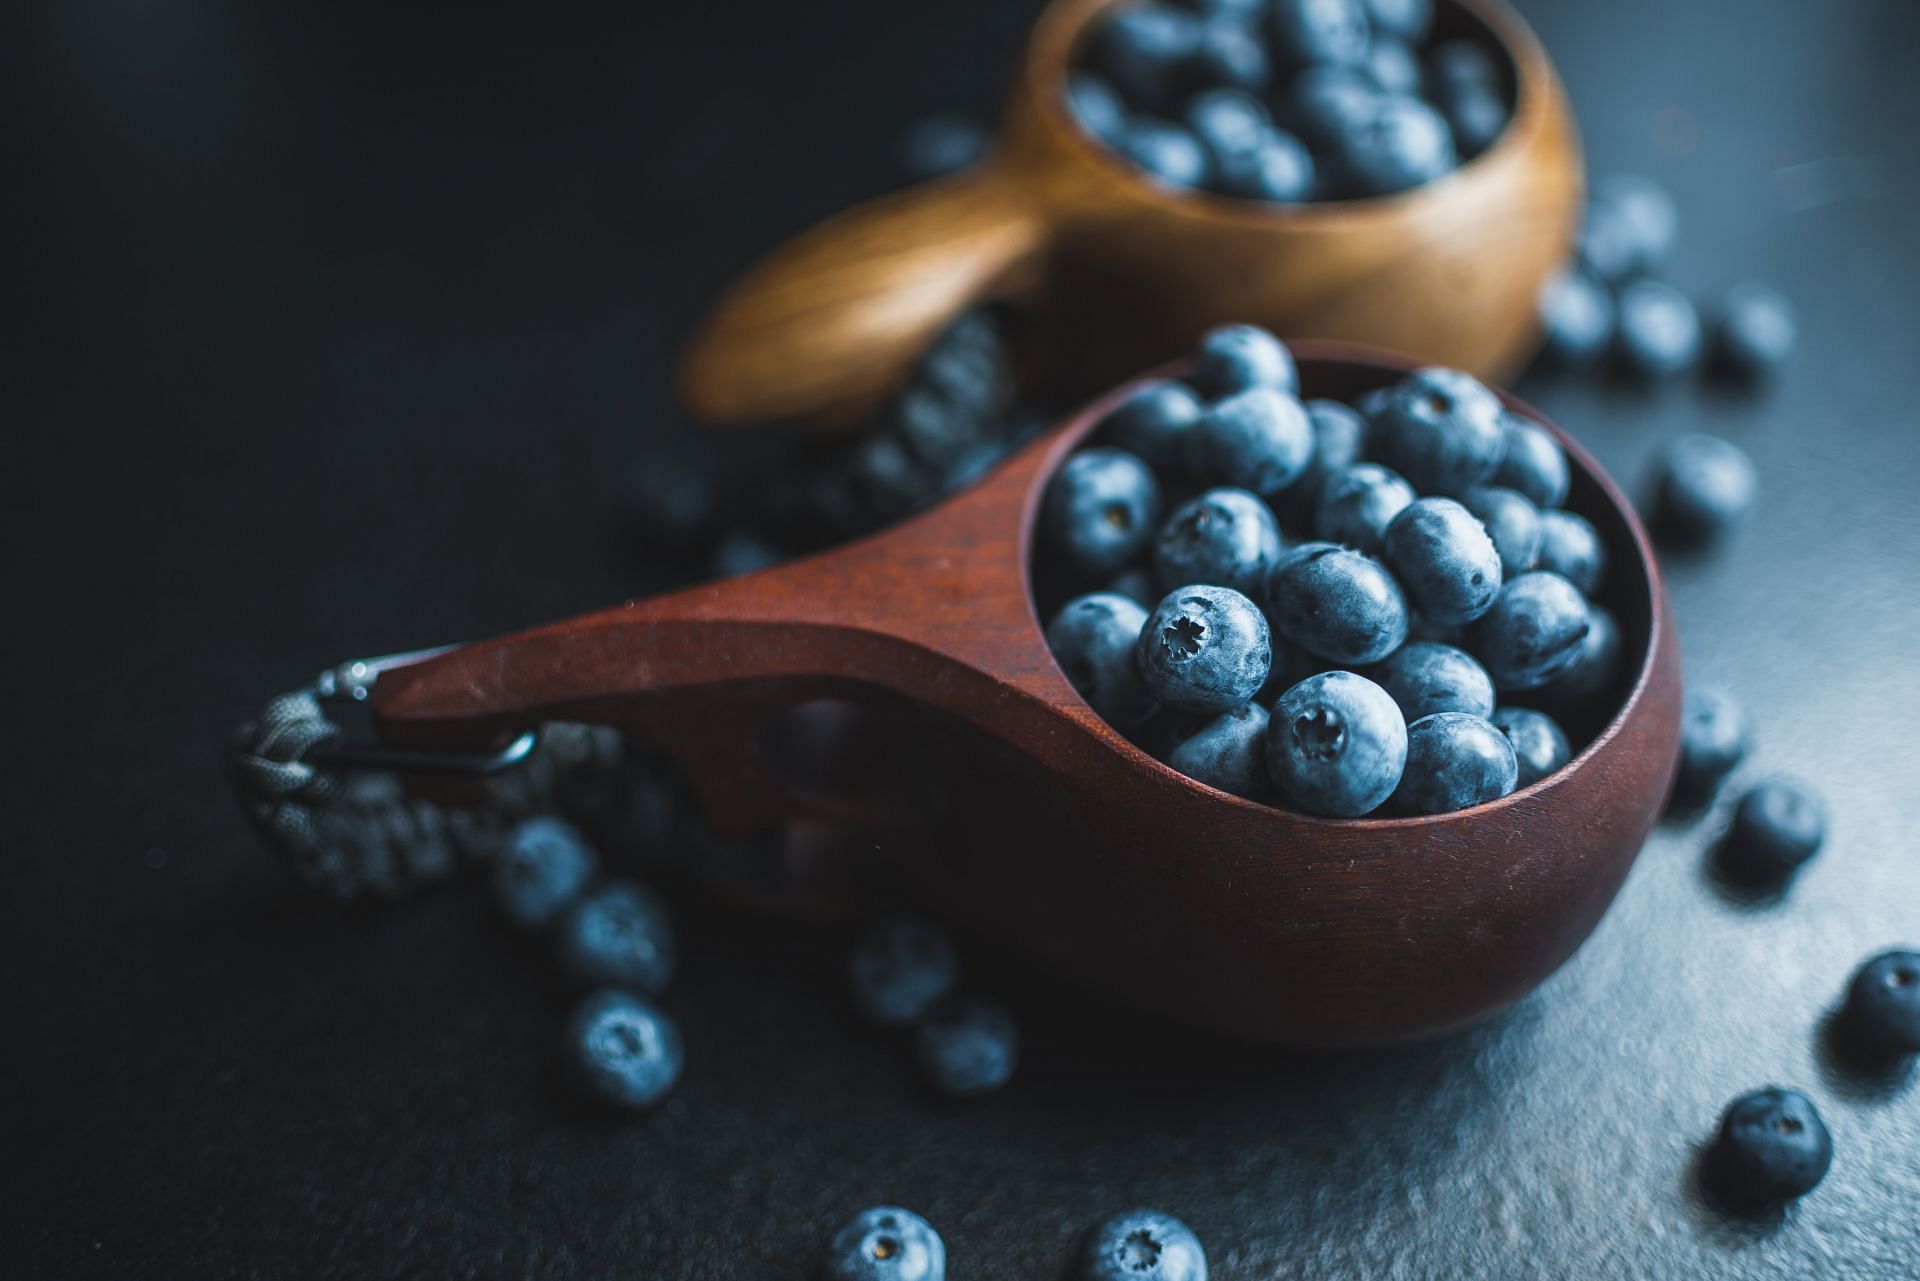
x: 1227, y: 122
x: 1475, y: 112
x: 1425, y: 677
x: 1882, y: 1011
x: 1358, y: 503
x: 941, y: 145
x: 1310, y: 31
x: 1511, y: 521
x: 1539, y: 744
x: 1336, y: 745
x: 1593, y: 673
x: 1258, y: 439
x: 1325, y: 103
x: 1097, y: 106
x: 1442, y: 430
x: 1658, y: 331
x: 1756, y: 331
x: 1166, y: 152
x: 885, y: 1243
x: 1152, y: 423
x: 1100, y: 509
x: 1703, y: 485
x: 899, y: 969
x: 1459, y: 61
x: 1336, y: 603
x: 1144, y: 51
x: 1139, y: 1245
x: 1772, y: 1148
x: 1454, y: 760
x: 1277, y: 169
x: 1205, y: 650
x: 1444, y: 560
x: 622, y: 1050
x: 1227, y: 53
x: 1236, y: 358
x: 542, y: 867
x: 1533, y: 462
x: 1407, y: 19
x: 1225, y: 536
x: 1576, y: 318
x: 968, y: 1047
x: 1535, y: 631
x: 1638, y: 221
x: 1228, y: 752
x: 1776, y: 828
x: 1095, y: 638
x: 1392, y: 65
x: 620, y: 935
x: 1570, y: 546
x: 1339, y: 438
x: 1713, y: 738
x: 933, y: 427
x: 1400, y: 142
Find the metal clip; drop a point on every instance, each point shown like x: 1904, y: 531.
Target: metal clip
x: 351, y: 683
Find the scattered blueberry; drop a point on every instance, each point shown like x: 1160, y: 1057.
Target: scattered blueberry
x: 1713, y: 738
x: 1224, y: 536
x: 620, y: 935
x: 900, y: 969
x: 622, y: 1050
x: 1511, y: 521
x: 941, y: 145
x: 1570, y: 546
x: 1153, y: 422
x: 1442, y: 430
x: 1533, y: 463
x: 1772, y: 1148
x: 1454, y: 760
x: 1139, y: 1245
x: 1702, y: 487
x: 1425, y: 677
x: 1236, y: 358
x: 1400, y: 142
x: 1635, y: 222
x: 1576, y: 318
x: 1205, y: 650
x: 1258, y: 439
x: 1095, y: 639
x: 1539, y: 744
x: 1776, y: 828
x: 542, y: 867
x: 1228, y: 752
x: 1100, y: 509
x: 1357, y: 504
x: 1336, y: 745
x: 1535, y: 631
x: 885, y: 1243
x: 1447, y: 566
x: 1882, y: 1011
x: 1336, y: 603
x: 1658, y: 332
x: 968, y: 1047
x: 1756, y: 331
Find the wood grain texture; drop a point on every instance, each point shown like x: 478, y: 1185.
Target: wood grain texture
x: 1035, y: 822
x: 1128, y: 274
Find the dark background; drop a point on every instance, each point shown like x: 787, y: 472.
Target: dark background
x: 329, y: 327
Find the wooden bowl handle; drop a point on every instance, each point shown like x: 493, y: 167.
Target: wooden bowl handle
x: 830, y: 323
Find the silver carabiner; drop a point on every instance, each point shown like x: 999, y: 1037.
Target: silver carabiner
x: 352, y: 682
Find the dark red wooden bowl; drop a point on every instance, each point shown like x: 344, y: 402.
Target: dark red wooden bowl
x: 1007, y: 806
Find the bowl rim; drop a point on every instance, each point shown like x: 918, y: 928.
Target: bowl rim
x: 1057, y: 445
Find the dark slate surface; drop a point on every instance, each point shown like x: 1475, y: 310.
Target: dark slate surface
x: 328, y: 326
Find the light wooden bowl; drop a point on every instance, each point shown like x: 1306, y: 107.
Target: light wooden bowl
x: 823, y: 329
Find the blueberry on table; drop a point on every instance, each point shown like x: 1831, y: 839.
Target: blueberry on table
x: 1713, y: 738
x: 1446, y: 564
x: 1755, y: 332
x: 1100, y: 509
x: 1278, y: 169
x: 1406, y: 19
x: 1336, y: 745
x: 1576, y: 318
x: 1166, y: 152
x: 542, y: 867
x: 1425, y: 677
x: 1320, y: 31
x: 1776, y: 828
x: 1570, y: 546
x: 1139, y: 1245
x: 1442, y: 430
x: 1096, y: 106
x: 1235, y: 358
x: 885, y: 1243
x: 1357, y: 503
x: 1539, y: 744
x: 1772, y: 1147
x: 1454, y: 760
x: 622, y: 1050
x: 1637, y: 219
x: 1258, y: 439
x: 1511, y: 521
x: 1535, y: 631
x: 1225, y: 536
x: 1095, y: 639
x: 1703, y: 485
x: 1153, y: 422
x: 1336, y: 603
x: 941, y: 145
x: 1882, y: 1011
x: 1658, y: 331
x: 1399, y: 142
x: 1533, y: 462
x: 620, y: 935
x: 968, y: 1047
x: 900, y: 969
x: 1228, y: 752
x: 1205, y: 650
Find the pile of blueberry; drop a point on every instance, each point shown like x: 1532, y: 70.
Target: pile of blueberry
x: 887, y: 1243
x: 1340, y: 609
x: 1289, y: 100
x: 903, y: 975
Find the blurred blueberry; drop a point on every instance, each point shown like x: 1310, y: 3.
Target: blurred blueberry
x: 1100, y: 509
x: 1236, y: 358
x: 1094, y: 638
x: 1461, y: 61
x: 1324, y: 103
x: 1475, y: 112
x: 1224, y: 536
x: 1336, y: 745
x: 1446, y: 564
x: 1570, y: 546
x: 1153, y: 422
x: 1278, y: 169
x: 968, y: 1047
x: 1227, y: 752
x: 1756, y: 331
x: 667, y: 507
x: 1576, y: 318
x: 1336, y: 603
x: 1442, y: 430
x: 1339, y: 440
x: 1425, y: 677
x: 1407, y: 19
x: 1313, y: 31
x: 1703, y: 485
x: 1777, y: 827
x: 1454, y: 761
x: 1259, y: 439
x: 622, y: 1050
x: 941, y: 145
x: 1357, y: 504
x: 1636, y: 223
x: 1511, y: 521
x: 1713, y: 738
x: 888, y: 480
x: 1230, y: 54
x: 1144, y: 52
x: 899, y: 969
x: 542, y: 867
x: 1392, y: 65
x: 1658, y: 331
x: 885, y: 1243
x: 1400, y: 142
x: 620, y: 935
x: 1097, y: 106
x: 1772, y: 1147
x: 743, y: 552
x: 1166, y: 152
x: 1228, y: 122
x: 972, y: 465
x: 1532, y: 462
x: 1882, y: 1012
x: 1535, y: 631
x: 1539, y: 744
x: 934, y: 428
x: 1139, y: 1245
x: 1205, y: 650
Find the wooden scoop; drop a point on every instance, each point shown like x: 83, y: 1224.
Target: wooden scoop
x: 824, y: 328
x: 1032, y: 820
